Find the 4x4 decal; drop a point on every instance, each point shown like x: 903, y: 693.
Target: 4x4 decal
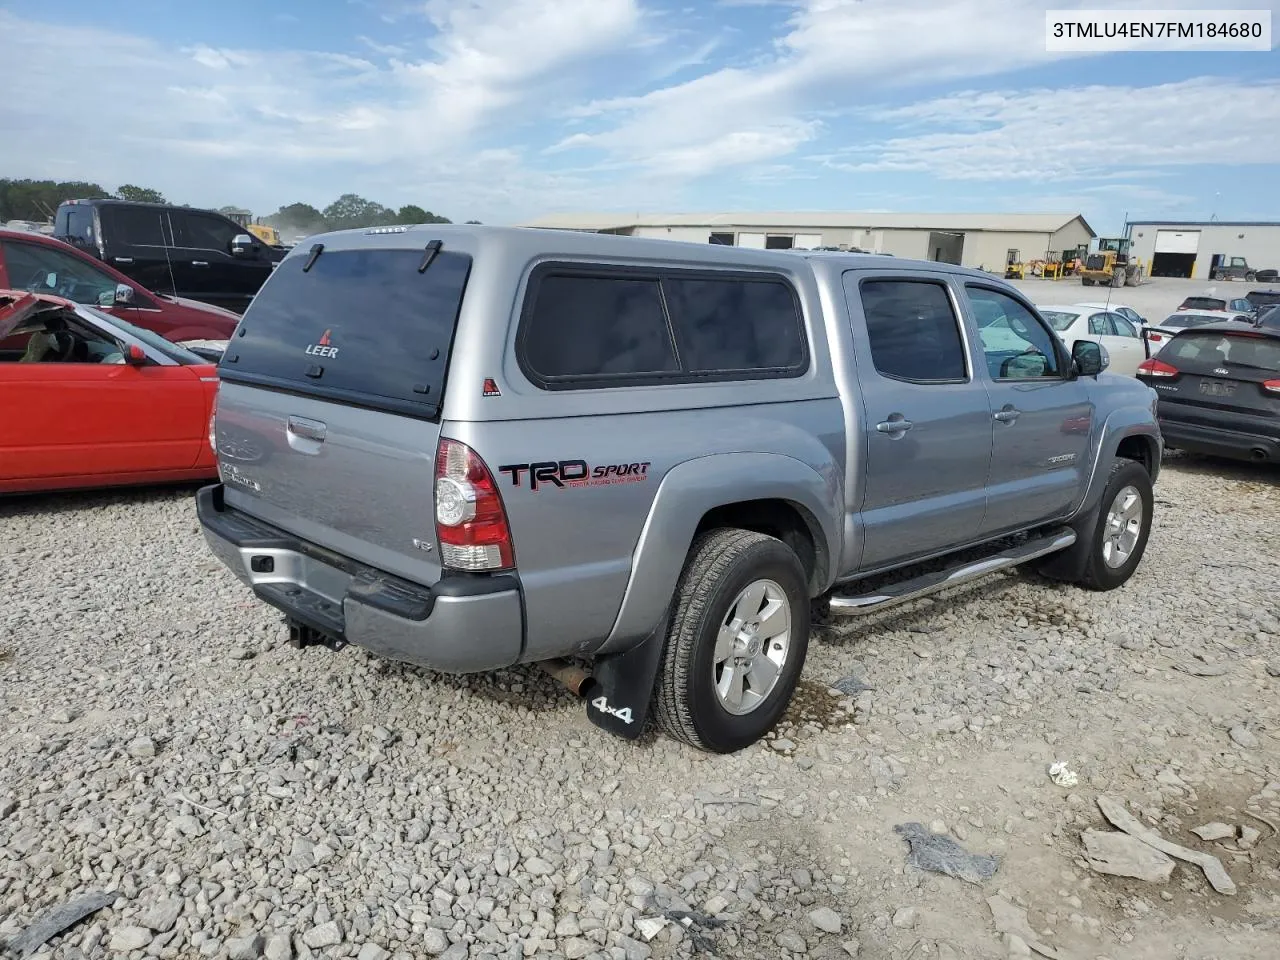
x: 574, y: 473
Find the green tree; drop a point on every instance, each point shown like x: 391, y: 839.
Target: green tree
x: 350, y: 211
x: 129, y: 191
x: 38, y: 199
x: 412, y: 213
x: 476, y: 222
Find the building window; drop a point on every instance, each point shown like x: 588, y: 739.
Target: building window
x: 777, y: 242
x: 724, y: 239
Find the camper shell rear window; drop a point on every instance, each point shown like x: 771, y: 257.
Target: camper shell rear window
x: 366, y: 327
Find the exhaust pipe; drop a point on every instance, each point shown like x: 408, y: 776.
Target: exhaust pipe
x: 578, y: 681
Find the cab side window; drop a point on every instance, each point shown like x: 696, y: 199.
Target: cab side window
x: 203, y: 231
x: 1029, y: 351
x: 913, y: 331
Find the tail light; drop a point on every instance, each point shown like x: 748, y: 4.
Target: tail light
x: 471, y: 523
x: 1271, y: 386
x: 213, y: 420
x: 1155, y: 337
x: 1157, y: 368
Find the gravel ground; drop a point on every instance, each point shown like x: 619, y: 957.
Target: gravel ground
x: 244, y: 799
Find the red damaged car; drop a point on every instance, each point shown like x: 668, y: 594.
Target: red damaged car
x: 40, y: 264
x: 93, y: 401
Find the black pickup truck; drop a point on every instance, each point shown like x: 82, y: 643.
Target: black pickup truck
x: 198, y: 254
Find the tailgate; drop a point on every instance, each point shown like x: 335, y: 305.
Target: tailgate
x: 329, y: 403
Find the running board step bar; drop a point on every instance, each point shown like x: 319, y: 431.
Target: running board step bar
x: 857, y: 605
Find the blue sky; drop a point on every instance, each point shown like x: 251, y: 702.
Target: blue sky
x: 504, y: 110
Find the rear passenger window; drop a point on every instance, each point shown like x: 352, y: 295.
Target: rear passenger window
x: 735, y: 324
x: 597, y: 327
x: 913, y: 331
x: 602, y: 328
x: 136, y: 226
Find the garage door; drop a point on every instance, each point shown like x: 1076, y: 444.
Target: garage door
x: 1177, y: 241
x: 754, y: 240
x: 807, y: 241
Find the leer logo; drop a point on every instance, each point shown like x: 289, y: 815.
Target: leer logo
x: 321, y: 348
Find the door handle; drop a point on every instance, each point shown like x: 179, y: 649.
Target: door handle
x: 1007, y: 414
x: 123, y: 259
x: 199, y: 263
x: 310, y: 429
x: 896, y: 424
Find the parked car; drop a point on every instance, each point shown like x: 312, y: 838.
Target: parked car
x: 488, y: 446
x: 1121, y: 337
x: 94, y: 401
x: 1157, y: 333
x: 1219, y: 389
x: 1261, y: 299
x: 197, y: 254
x: 1199, y: 302
x: 1127, y: 312
x: 1232, y: 268
x: 29, y: 261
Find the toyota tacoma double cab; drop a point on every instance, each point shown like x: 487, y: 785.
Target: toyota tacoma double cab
x: 645, y: 464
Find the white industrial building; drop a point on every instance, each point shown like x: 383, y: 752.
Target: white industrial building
x: 972, y: 239
x: 1177, y: 248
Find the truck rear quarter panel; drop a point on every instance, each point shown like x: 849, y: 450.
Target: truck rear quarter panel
x: 580, y: 470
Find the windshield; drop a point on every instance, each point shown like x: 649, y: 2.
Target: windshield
x: 1058, y: 320
x: 150, y: 338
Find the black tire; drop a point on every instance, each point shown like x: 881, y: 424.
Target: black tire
x: 1097, y: 574
x: 1251, y: 277
x: 721, y: 564
x: 1085, y: 281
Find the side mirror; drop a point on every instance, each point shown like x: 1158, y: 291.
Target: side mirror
x: 135, y: 356
x: 1089, y: 358
x: 243, y: 244
x: 124, y: 295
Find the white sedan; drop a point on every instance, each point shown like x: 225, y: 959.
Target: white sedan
x: 1116, y: 332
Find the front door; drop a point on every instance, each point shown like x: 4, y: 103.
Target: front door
x: 212, y: 273
x: 927, y: 419
x: 1041, y: 418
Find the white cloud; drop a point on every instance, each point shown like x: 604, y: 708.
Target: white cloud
x: 833, y: 50
x: 115, y: 107
x: 1079, y: 133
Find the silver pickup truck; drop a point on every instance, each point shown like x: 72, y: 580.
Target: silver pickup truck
x: 644, y: 465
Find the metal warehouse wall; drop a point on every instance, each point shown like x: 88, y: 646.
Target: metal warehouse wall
x: 988, y: 249
x: 1260, y: 244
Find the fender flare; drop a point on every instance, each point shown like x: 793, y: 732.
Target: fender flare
x: 1120, y: 425
x: 691, y: 489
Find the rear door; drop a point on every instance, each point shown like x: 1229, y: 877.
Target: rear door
x: 136, y: 240
x: 1040, y: 418
x: 334, y: 384
x: 928, y: 430
x: 1123, y: 342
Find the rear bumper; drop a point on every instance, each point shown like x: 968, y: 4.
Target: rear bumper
x: 1220, y: 441
x: 460, y: 625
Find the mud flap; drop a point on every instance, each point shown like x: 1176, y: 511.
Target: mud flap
x: 1069, y: 564
x: 623, y: 686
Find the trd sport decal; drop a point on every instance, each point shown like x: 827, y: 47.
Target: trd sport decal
x: 574, y: 473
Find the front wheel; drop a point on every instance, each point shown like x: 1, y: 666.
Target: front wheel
x: 1119, y: 538
x: 736, y: 642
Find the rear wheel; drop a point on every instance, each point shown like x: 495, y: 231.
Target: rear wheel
x: 736, y: 642
x: 1251, y: 277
